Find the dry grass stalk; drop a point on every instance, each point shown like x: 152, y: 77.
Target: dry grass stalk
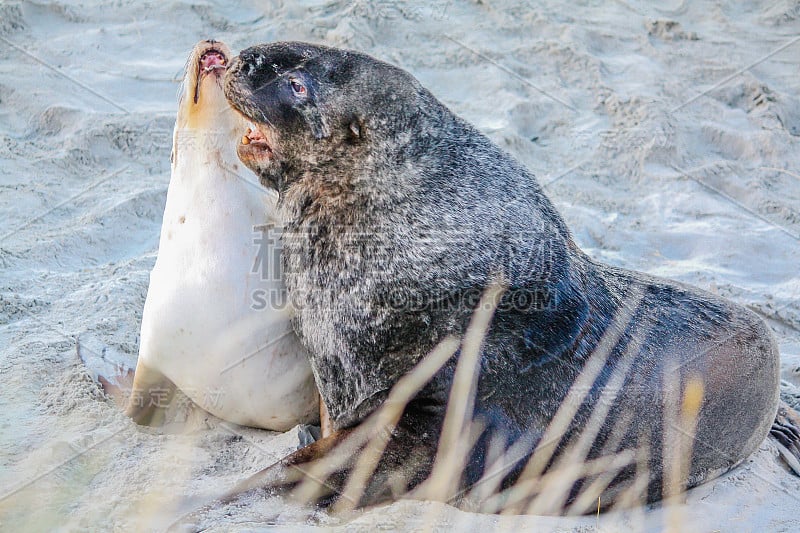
x: 453, y: 449
x: 314, y: 476
x: 558, y: 492
x: 567, y: 410
x: 679, y: 431
x: 539, y: 489
x: 634, y: 496
x: 586, y: 500
x: 381, y: 424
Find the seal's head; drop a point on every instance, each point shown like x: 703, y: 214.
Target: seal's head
x: 313, y: 105
x: 202, y: 103
x: 206, y: 127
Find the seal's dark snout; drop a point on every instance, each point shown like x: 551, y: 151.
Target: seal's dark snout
x: 251, y: 60
x: 238, y: 79
x: 231, y: 77
x: 234, y: 71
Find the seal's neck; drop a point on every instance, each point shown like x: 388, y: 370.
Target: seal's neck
x: 206, y: 133
x: 207, y: 109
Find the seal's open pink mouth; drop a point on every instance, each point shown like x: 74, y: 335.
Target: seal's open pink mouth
x: 257, y: 144
x: 212, y: 59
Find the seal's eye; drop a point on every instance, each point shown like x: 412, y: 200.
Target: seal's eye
x: 297, y: 87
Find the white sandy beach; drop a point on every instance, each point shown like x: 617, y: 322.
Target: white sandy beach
x: 668, y: 138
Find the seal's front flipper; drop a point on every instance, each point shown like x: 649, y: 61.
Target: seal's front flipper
x: 353, y: 465
x: 144, y: 394
x: 786, y: 432
x: 320, y: 473
x: 109, y: 367
x: 150, y: 396
x: 325, y: 423
x: 280, y: 479
x: 312, y: 463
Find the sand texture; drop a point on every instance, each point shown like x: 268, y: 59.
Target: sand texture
x: 668, y: 138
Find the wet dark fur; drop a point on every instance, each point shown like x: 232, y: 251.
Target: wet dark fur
x: 389, y: 198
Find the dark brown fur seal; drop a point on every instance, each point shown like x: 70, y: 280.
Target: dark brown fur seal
x: 399, y: 214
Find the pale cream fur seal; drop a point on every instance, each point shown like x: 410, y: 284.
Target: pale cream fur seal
x: 202, y: 329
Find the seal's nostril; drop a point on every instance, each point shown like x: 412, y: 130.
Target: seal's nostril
x: 252, y: 56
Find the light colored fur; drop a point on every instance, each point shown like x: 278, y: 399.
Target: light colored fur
x: 200, y: 330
